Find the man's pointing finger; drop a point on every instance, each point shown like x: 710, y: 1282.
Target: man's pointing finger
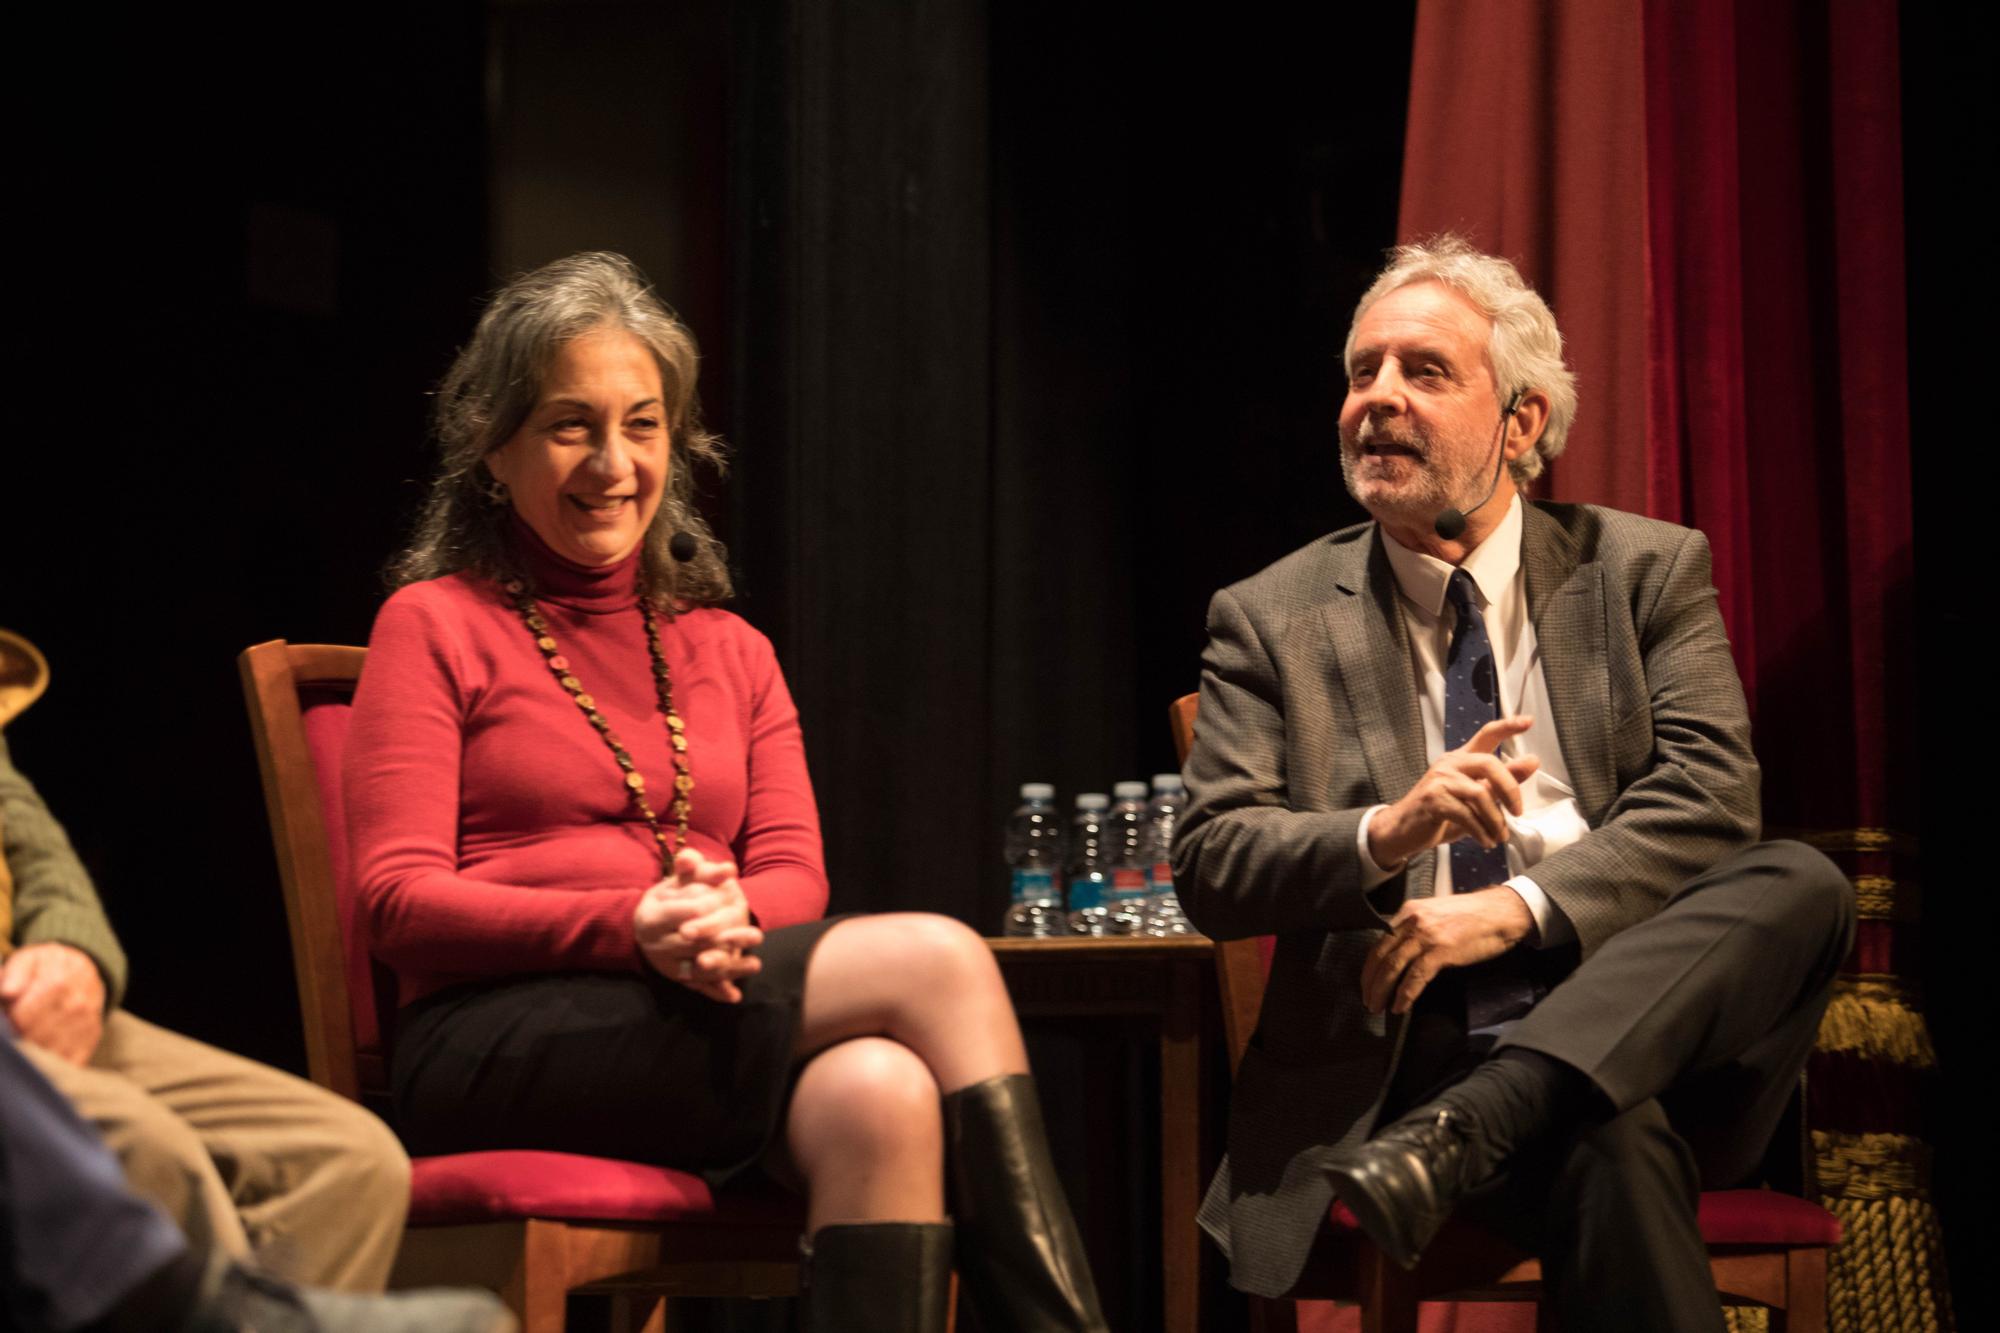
x: 1489, y: 737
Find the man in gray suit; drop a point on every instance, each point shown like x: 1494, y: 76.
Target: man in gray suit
x: 1486, y: 776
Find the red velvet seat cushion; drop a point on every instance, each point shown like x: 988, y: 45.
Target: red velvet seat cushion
x: 1765, y: 1217
x: 1730, y: 1217
x: 488, y: 1186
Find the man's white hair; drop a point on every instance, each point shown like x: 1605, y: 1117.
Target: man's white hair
x: 1526, y: 347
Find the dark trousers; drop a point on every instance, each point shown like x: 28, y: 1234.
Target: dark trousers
x: 1692, y: 1027
x: 74, y: 1241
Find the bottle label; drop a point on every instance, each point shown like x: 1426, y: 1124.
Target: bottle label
x: 1163, y: 877
x: 1085, y: 892
x: 1127, y: 885
x: 1034, y: 886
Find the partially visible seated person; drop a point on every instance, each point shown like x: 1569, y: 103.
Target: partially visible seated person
x: 81, y: 1253
x: 247, y: 1159
x: 583, y: 830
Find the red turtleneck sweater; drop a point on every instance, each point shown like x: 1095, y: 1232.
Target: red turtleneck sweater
x: 489, y: 829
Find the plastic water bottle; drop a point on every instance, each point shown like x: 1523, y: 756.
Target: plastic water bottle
x: 1163, y: 908
x: 1130, y: 857
x: 1034, y: 854
x: 1089, y: 866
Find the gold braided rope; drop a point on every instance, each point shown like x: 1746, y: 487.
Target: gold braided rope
x: 1874, y: 1016
x: 1887, y: 1274
x: 1865, y: 1167
x: 1888, y: 1270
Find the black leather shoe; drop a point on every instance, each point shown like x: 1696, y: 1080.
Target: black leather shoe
x: 1402, y: 1184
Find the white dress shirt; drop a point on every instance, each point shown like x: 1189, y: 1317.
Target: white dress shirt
x: 1550, y: 819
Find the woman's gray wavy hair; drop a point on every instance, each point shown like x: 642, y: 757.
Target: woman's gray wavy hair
x: 1526, y: 349
x: 494, y: 384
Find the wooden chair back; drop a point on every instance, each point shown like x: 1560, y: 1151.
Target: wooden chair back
x: 299, y: 696
x: 1240, y: 965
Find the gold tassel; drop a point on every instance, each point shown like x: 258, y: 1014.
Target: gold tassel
x: 1872, y: 1017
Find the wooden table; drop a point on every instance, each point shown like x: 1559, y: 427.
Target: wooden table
x: 1162, y: 983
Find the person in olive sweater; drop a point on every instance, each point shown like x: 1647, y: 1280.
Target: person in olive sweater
x: 250, y: 1161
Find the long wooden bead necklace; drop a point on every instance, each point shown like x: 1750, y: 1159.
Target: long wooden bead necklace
x: 663, y: 687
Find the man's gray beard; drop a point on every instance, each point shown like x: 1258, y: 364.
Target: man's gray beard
x: 1420, y: 504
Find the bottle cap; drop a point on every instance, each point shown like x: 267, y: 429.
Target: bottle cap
x: 1092, y: 800
x: 1130, y: 791
x: 1168, y: 782
x: 1038, y: 791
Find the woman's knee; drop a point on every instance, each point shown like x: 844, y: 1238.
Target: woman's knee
x: 869, y: 1096
x: 929, y: 954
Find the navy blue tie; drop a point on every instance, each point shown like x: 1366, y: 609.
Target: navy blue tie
x: 1499, y: 991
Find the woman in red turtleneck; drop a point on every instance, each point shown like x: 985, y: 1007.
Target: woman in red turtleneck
x: 586, y: 841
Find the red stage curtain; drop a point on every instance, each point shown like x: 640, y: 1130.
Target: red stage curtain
x: 1709, y: 192
x: 1527, y: 134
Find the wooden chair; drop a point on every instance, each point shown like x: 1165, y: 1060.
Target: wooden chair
x: 534, y: 1226
x: 1767, y: 1249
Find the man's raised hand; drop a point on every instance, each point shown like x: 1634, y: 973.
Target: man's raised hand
x: 1467, y: 793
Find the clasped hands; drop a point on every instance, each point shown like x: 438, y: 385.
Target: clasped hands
x: 694, y: 927
x: 54, y: 996
x: 1467, y: 793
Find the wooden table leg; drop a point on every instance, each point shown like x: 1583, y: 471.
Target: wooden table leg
x: 1180, y: 1149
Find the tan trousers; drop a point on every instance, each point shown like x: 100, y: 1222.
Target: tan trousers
x: 248, y: 1159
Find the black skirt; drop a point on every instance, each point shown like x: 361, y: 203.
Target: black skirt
x: 628, y: 1066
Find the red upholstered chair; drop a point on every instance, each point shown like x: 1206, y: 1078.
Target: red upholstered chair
x: 533, y: 1226
x: 1768, y: 1249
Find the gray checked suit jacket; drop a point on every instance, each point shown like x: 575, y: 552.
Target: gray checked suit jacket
x: 1309, y: 716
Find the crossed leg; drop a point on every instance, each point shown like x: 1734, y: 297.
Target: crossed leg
x: 898, y: 1011
x: 1687, y: 1032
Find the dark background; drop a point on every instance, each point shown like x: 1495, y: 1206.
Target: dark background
x: 1023, y: 320
x: 1024, y: 328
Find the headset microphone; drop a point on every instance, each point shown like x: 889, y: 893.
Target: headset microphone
x: 1451, y: 522
x: 682, y: 546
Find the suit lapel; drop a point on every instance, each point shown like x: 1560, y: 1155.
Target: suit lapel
x: 1371, y: 660
x: 1566, y: 605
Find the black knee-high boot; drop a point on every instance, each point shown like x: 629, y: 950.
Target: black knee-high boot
x: 1018, y: 1249
x: 878, y: 1277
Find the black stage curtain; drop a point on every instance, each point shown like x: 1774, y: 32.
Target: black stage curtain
x: 1042, y: 317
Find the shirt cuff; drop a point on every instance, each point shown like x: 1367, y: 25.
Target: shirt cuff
x: 1551, y: 926
x: 1371, y: 873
